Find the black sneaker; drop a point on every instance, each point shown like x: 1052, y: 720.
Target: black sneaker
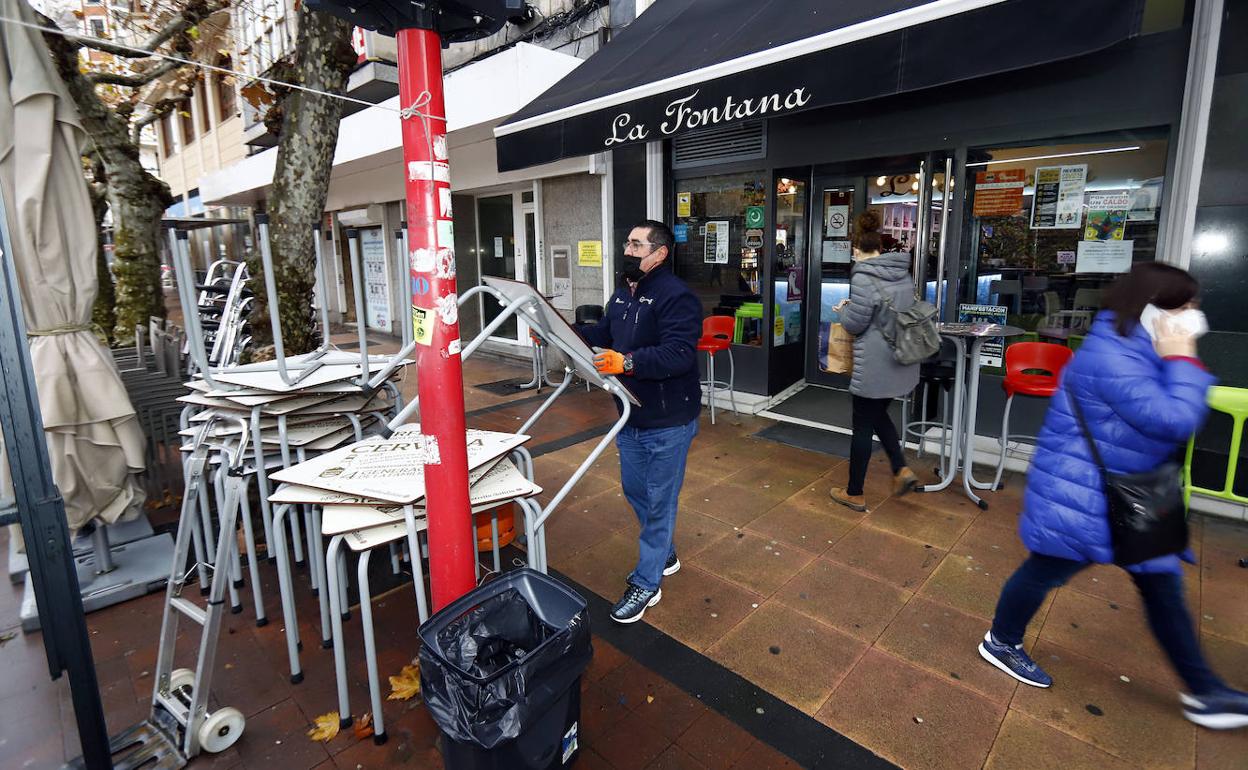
x: 672, y: 566
x: 1224, y: 710
x: 634, y: 603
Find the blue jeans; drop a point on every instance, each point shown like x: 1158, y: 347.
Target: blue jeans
x: 1167, y: 614
x: 652, y: 468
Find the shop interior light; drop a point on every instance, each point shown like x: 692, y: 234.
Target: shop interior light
x: 915, y: 185
x: 881, y: 181
x: 1055, y: 155
x: 1210, y: 243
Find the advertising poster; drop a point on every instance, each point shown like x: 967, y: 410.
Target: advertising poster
x: 376, y: 279
x: 684, y: 204
x: 1107, y: 216
x: 1144, y: 202
x: 836, y: 222
x: 993, y: 351
x: 716, y: 249
x: 682, y: 233
x: 837, y: 252
x: 999, y: 193
x: 1058, y: 200
x: 589, y: 253
x: 1104, y: 256
x: 797, y: 276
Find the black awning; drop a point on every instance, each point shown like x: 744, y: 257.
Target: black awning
x: 690, y: 64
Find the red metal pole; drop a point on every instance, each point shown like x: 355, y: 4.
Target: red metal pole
x: 435, y: 320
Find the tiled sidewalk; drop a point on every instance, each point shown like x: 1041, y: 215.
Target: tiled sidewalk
x: 868, y: 622
x: 863, y: 623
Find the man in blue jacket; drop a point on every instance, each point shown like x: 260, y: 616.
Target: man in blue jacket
x: 649, y: 336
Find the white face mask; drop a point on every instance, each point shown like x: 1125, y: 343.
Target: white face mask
x: 1190, y: 320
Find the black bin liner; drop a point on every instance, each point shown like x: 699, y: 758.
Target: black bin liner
x: 493, y: 662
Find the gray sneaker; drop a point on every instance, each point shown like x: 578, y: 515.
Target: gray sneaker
x: 634, y: 603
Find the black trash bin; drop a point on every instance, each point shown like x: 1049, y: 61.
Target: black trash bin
x: 500, y: 672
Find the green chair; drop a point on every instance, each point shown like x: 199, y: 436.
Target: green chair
x: 746, y: 310
x: 1233, y: 402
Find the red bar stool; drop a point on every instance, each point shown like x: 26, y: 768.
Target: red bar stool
x: 1021, y: 358
x: 717, y: 336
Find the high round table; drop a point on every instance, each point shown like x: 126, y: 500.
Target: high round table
x: 965, y: 401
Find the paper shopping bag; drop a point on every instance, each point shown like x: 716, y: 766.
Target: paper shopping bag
x: 840, y: 358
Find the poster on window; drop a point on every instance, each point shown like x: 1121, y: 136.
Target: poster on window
x: 376, y: 279
x: 797, y: 277
x: 993, y: 351
x: 1057, y: 203
x: 1144, y: 201
x: 1104, y: 256
x: 837, y: 252
x: 1107, y: 216
x: 999, y: 193
x: 836, y: 222
x: 716, y: 248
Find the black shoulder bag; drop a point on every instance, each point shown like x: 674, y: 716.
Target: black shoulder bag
x: 1147, y: 517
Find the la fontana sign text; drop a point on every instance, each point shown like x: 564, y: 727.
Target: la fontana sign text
x: 684, y: 114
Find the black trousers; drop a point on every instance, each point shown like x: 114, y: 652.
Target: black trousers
x: 871, y: 418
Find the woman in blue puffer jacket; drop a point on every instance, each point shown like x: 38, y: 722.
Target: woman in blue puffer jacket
x: 1142, y: 395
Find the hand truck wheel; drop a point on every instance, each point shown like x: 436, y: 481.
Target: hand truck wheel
x: 221, y: 729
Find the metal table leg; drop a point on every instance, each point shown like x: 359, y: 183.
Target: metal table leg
x: 370, y: 648
x: 290, y: 617
x: 972, y: 409
x: 335, y: 614
x: 959, y: 386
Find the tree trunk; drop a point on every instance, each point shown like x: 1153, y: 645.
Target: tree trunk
x: 138, y: 199
x: 104, y: 312
x: 305, y: 155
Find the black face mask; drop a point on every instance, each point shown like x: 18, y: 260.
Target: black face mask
x: 631, y: 269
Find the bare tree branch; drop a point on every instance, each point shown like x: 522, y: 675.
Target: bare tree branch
x: 133, y: 81
x: 195, y: 12
x: 162, y: 108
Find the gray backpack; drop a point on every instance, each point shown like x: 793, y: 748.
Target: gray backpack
x: 914, y: 338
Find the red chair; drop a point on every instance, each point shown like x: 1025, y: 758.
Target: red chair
x: 1021, y: 359
x: 717, y: 336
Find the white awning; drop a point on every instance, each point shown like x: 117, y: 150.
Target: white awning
x: 368, y: 163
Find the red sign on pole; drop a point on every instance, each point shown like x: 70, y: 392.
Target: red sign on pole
x: 435, y: 314
x: 999, y: 193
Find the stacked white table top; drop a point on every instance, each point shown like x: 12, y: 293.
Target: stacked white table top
x: 369, y: 488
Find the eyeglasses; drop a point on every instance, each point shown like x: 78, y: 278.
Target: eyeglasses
x: 636, y: 244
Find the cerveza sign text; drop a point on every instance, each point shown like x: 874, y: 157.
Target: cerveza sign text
x: 684, y: 115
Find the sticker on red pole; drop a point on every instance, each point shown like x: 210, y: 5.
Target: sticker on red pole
x: 422, y: 325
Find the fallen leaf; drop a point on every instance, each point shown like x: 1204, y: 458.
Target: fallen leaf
x: 649, y: 699
x: 5, y: 638
x: 326, y: 727
x: 363, y: 727
x: 405, y: 685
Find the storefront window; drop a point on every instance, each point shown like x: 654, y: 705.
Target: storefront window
x: 790, y: 257
x: 715, y: 256
x: 1052, y: 225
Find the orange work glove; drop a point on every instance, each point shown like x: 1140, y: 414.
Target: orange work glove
x: 609, y: 362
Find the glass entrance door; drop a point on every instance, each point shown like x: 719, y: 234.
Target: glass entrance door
x: 837, y: 201
x: 910, y: 205
x: 496, y: 241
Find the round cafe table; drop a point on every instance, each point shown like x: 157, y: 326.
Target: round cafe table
x: 966, y: 401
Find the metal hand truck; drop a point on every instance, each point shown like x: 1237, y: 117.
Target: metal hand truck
x: 180, y: 726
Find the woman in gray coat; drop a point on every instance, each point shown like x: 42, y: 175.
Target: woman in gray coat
x: 877, y: 377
